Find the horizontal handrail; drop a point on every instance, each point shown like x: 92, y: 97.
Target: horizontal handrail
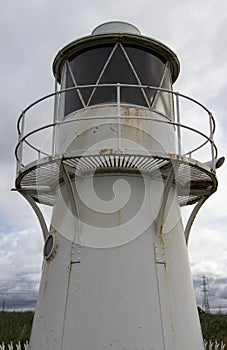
x: 59, y: 92
x: 23, y: 137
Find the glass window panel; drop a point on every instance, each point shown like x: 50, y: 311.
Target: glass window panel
x: 88, y: 65
x: 148, y: 67
x: 163, y: 101
x: 72, y: 100
x: 118, y: 71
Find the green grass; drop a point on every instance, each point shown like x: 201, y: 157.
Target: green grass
x: 214, y: 327
x: 16, y: 326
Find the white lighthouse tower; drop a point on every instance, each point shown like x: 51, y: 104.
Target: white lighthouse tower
x: 116, y: 273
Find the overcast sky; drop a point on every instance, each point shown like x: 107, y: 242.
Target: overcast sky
x: 31, y: 34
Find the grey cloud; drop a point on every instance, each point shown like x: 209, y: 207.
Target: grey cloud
x: 31, y: 35
x: 223, y: 293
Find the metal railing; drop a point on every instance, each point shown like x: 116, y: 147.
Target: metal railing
x: 208, y: 345
x: 214, y: 345
x: 24, y: 137
x: 17, y: 346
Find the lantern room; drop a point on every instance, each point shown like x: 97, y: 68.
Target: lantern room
x: 116, y: 53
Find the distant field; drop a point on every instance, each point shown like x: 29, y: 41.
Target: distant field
x: 15, y: 326
x: 214, y: 326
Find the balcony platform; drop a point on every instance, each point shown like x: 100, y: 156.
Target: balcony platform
x: 192, y: 179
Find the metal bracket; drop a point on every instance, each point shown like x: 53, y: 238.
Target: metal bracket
x: 71, y: 194
x: 36, y: 209
x: 192, y: 217
x: 169, y: 181
x: 75, y: 254
x: 70, y: 189
x: 159, y: 243
x: 159, y: 254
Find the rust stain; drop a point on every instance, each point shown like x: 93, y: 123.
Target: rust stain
x: 135, y: 128
x: 119, y: 224
x: 133, y: 111
x: 171, y: 155
x: 106, y: 151
x: 45, y: 288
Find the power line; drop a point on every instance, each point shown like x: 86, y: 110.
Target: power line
x: 18, y: 300
x: 205, y: 290
x: 18, y: 293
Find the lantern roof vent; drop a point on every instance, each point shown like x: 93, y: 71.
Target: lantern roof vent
x: 115, y: 27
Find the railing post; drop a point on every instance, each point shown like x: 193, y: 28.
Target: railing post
x: 178, y: 125
x: 222, y: 345
x: 20, y: 137
x: 119, y: 117
x: 26, y: 345
x: 10, y: 346
x: 56, y: 112
x: 211, y: 138
x: 217, y: 345
x: 211, y: 345
x: 18, y: 346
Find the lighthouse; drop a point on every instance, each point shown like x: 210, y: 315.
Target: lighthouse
x: 113, y: 166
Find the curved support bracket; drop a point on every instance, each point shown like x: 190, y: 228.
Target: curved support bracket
x: 37, y: 210
x: 75, y: 253
x: 192, y: 216
x: 169, y: 181
x: 70, y: 189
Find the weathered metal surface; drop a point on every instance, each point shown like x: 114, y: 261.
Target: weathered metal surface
x: 46, y: 173
x: 124, y: 282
